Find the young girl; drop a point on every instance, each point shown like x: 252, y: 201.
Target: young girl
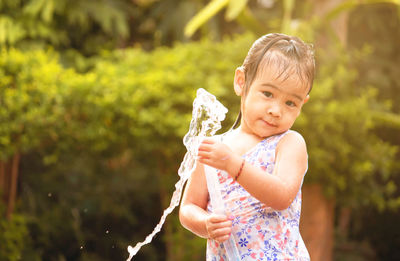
x: 260, y: 164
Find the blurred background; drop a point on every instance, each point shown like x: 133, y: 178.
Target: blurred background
x: 96, y: 96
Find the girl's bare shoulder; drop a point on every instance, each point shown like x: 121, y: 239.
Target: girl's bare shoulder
x: 292, y: 141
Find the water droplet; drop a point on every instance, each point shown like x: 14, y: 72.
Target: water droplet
x: 107, y: 231
x: 81, y: 247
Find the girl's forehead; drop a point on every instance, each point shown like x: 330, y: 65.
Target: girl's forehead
x: 282, y: 74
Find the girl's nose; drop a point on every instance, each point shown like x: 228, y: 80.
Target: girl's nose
x: 274, y: 110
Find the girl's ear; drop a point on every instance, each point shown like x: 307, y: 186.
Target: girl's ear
x: 306, y: 99
x: 238, y: 83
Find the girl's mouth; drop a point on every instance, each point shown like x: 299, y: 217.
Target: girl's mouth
x: 270, y: 124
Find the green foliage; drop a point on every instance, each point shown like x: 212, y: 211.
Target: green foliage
x: 27, y: 97
x: 345, y: 154
x: 13, y: 236
x: 378, y: 64
x: 99, y: 146
x: 255, y: 20
x: 88, y: 27
x: 64, y: 23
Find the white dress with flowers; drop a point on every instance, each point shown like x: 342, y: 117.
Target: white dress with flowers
x: 260, y: 232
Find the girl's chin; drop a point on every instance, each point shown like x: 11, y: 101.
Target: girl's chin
x: 270, y: 132
x: 266, y: 134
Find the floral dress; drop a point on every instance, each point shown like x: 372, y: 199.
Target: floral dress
x: 260, y: 232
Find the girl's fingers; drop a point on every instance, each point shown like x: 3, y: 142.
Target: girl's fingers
x: 202, y: 153
x: 208, y: 141
x: 219, y: 227
x: 227, y: 223
x: 220, y: 233
x: 204, y: 160
x: 205, y: 146
x: 215, y: 218
x: 222, y: 239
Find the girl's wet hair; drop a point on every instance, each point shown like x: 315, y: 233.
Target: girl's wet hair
x: 288, y: 53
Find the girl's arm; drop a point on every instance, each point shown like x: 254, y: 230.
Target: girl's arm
x: 193, y: 215
x: 277, y: 190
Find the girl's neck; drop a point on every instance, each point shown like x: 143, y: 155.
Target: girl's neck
x: 241, y: 141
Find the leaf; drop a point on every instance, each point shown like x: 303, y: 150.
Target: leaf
x: 48, y: 10
x: 108, y: 17
x: 388, y: 119
x: 204, y: 15
x: 34, y: 7
x: 10, y: 32
x: 235, y: 7
x: 3, y: 30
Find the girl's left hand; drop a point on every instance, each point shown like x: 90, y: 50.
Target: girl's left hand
x: 215, y: 154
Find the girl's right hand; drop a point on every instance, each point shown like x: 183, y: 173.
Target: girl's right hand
x: 219, y: 227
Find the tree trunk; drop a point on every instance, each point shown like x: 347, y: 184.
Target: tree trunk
x: 317, y: 223
x: 13, y: 184
x: 344, y: 221
x: 2, y: 179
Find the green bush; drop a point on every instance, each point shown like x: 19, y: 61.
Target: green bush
x: 13, y: 237
x: 99, y: 147
x: 355, y: 166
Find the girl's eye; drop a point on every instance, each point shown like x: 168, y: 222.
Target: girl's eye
x: 290, y: 103
x: 267, y: 94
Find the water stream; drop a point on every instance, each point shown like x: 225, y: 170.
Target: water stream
x: 207, y: 115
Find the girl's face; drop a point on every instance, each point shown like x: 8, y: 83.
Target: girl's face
x: 271, y: 105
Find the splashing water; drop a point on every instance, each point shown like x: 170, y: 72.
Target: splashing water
x: 207, y: 115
